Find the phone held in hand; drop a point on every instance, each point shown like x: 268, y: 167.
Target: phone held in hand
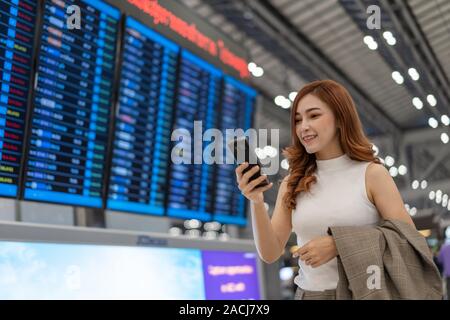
x: 243, y: 153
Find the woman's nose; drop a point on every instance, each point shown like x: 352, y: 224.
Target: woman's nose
x: 304, y: 125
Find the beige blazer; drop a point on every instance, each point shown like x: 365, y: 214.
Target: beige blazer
x: 389, y: 261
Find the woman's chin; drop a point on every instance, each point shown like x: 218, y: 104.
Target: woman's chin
x: 310, y: 150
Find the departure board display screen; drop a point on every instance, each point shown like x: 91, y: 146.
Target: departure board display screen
x: 237, y: 108
x: 72, y: 102
x: 141, y: 154
x: 17, y: 28
x: 192, y: 180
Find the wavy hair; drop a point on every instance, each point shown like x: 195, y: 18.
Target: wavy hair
x: 353, y: 140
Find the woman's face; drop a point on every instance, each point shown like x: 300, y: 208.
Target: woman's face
x: 315, y: 125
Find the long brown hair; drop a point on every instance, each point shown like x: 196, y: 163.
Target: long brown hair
x: 353, y: 140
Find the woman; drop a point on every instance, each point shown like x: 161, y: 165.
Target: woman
x: 334, y: 180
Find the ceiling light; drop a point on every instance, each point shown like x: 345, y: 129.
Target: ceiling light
x: 373, y: 46
x: 432, y: 195
x: 444, y: 137
x: 279, y: 100
x: 389, y: 161
x: 423, y: 184
x: 375, y: 149
x: 393, y: 171
x: 258, y: 72
x: 286, y: 104
x: 431, y: 100
x: 432, y: 122
x: 402, y: 170
x: 417, y: 103
x: 292, y: 95
x: 387, y: 34
x: 391, y: 41
x: 368, y: 39
x: 398, y: 78
x: 285, y: 164
x: 413, y: 74
x: 252, y: 66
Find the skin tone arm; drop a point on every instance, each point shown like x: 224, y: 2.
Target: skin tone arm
x: 383, y: 192
x: 270, y: 234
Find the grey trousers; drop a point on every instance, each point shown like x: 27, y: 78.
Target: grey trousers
x: 301, y: 294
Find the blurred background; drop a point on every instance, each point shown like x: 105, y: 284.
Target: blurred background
x: 87, y: 113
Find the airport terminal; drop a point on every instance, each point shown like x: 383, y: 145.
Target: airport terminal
x: 124, y: 125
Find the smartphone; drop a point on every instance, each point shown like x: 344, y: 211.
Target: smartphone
x: 241, y: 148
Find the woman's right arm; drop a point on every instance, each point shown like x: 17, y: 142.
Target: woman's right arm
x: 271, y: 235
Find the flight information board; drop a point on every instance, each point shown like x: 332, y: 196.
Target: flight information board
x: 237, y: 108
x: 140, y: 157
x: 73, y: 96
x: 191, y: 182
x: 17, y: 28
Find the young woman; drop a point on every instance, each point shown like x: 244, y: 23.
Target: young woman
x: 334, y: 180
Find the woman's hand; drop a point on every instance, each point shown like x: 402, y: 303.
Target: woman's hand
x: 248, y: 188
x: 318, y: 251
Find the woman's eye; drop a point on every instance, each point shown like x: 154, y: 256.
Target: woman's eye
x: 314, y: 116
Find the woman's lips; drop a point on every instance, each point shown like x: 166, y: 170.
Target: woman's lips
x: 309, y: 139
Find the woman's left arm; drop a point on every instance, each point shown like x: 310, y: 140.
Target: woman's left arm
x: 384, y: 192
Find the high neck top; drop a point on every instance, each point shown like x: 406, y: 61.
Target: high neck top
x: 337, y: 198
x: 333, y: 164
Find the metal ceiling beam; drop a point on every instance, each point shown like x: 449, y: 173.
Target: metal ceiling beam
x: 444, y: 155
x: 277, y: 29
x: 310, y: 55
x: 403, y: 17
x: 415, y: 136
x: 425, y: 135
x: 410, y: 195
x: 393, y: 51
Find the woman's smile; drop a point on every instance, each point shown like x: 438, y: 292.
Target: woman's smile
x: 309, y: 139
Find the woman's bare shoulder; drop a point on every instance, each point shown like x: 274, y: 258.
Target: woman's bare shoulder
x: 376, y: 175
x: 376, y: 170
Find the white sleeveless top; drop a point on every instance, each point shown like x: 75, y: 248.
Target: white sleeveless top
x: 338, y: 198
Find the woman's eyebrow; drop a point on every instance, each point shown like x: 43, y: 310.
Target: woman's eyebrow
x: 308, y: 110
